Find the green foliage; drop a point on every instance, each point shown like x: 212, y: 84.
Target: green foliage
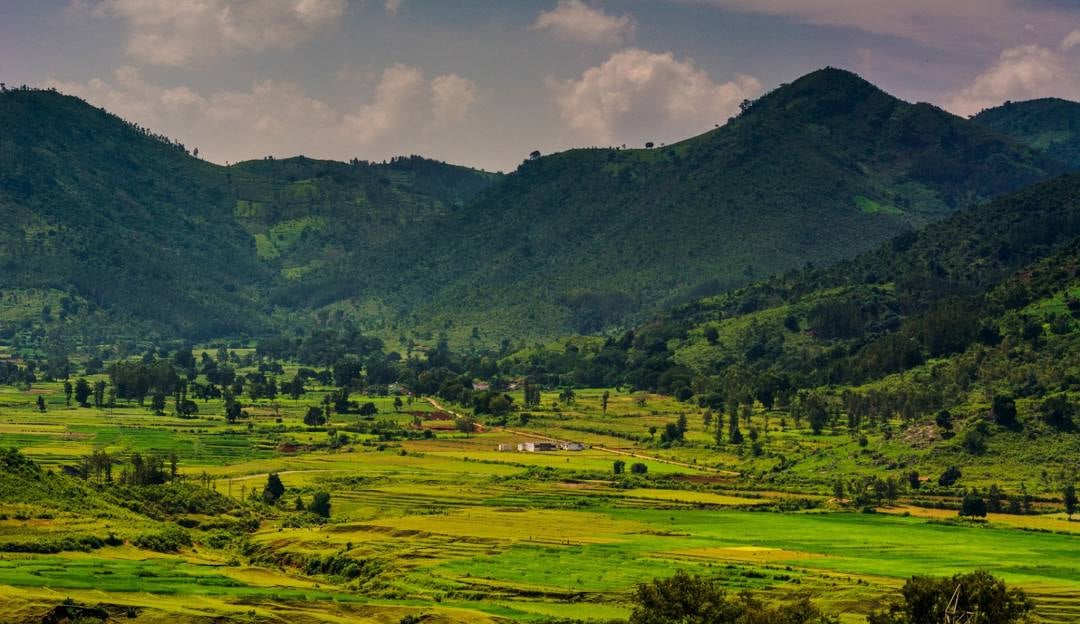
x: 929, y: 601
x: 687, y: 599
x: 170, y: 540
x: 1050, y: 125
x: 320, y: 504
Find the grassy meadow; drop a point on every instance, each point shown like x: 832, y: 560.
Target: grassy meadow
x: 442, y: 525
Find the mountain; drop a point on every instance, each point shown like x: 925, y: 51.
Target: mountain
x: 818, y: 170
x: 1050, y: 125
x: 986, y: 302
x: 111, y: 231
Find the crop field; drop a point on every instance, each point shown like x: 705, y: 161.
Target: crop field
x: 440, y: 523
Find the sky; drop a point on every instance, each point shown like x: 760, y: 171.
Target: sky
x: 485, y: 82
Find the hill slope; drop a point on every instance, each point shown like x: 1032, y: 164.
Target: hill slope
x: 818, y: 170
x: 108, y: 230
x: 986, y: 302
x: 113, y: 231
x: 1050, y: 125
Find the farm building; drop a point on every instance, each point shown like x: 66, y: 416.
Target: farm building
x: 505, y: 447
x: 571, y: 446
x: 533, y: 447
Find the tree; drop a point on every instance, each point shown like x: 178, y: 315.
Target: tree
x: 604, y: 401
x: 67, y: 392
x: 368, y: 409
x: 931, y: 601
x: 712, y: 336
x: 949, y: 477
x: 619, y: 466
x: 99, y: 393
x: 974, y: 442
x: 943, y: 419
x: 1068, y: 496
x: 41, y: 403
x: 973, y: 506
x: 274, y: 488
x: 685, y: 599
x: 638, y: 468
x: 1003, y: 411
x: 465, y: 424
x: 314, y: 417
x: 320, y: 504
x: 913, y: 480
x: 1058, y: 412
x: 398, y: 404
x: 567, y: 396
x: 82, y: 392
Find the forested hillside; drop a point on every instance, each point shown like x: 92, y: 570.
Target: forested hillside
x: 984, y: 304
x: 114, y: 232
x: 818, y: 170
x: 110, y: 231
x: 1050, y: 125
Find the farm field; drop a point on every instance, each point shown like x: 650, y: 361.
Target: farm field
x: 445, y: 526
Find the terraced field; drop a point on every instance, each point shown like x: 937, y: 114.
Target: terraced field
x: 444, y: 525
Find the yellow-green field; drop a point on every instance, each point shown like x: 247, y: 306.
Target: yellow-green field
x: 445, y: 525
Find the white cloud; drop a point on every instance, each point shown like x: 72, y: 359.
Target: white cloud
x: 181, y: 32
x: 573, y: 20
x: 1023, y: 73
x: 399, y: 87
x: 451, y: 98
x: 277, y: 117
x: 1071, y: 40
x: 636, y: 94
x: 393, y: 6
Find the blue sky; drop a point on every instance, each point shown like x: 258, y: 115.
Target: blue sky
x: 484, y: 82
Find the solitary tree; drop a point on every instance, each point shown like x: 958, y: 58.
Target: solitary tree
x: 314, y: 417
x: 619, y: 466
x: 274, y: 488
x: 638, y: 468
x: 973, y: 505
x: 320, y: 504
x: 67, y: 392
x: 82, y: 392
x: 41, y: 403
x: 604, y: 401
x: 1068, y: 494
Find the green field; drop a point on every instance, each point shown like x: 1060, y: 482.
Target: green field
x: 446, y: 525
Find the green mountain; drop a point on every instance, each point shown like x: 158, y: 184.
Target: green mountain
x: 818, y: 170
x: 984, y: 303
x: 1050, y: 125
x: 110, y: 231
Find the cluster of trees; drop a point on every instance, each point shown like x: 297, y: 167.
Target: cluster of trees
x: 692, y: 599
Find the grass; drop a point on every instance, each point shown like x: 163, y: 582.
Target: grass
x: 462, y: 531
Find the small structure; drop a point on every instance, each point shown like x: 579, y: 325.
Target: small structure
x: 506, y: 447
x: 534, y: 447
x: 571, y: 446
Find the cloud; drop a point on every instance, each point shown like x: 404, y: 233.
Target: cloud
x: 393, y: 6
x: 636, y: 92
x: 399, y: 87
x: 573, y: 20
x: 178, y: 33
x: 1023, y: 73
x: 950, y: 24
x: 451, y: 98
x: 277, y: 117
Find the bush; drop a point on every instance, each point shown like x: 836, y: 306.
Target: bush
x: 170, y: 540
